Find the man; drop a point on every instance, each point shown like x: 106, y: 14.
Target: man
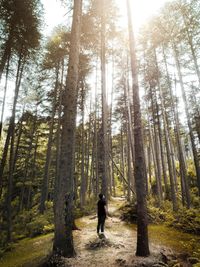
x: 102, y: 213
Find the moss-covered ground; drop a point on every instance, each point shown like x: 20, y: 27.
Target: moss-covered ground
x: 27, y: 252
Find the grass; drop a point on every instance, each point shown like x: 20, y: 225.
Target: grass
x: 177, y: 240
x: 28, y: 252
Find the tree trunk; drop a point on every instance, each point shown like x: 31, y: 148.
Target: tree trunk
x: 4, y: 97
x: 12, y: 119
x: 164, y: 171
x: 140, y: 173
x: 11, y: 135
x: 104, y: 186
x: 168, y: 142
x: 182, y: 166
x: 83, y: 141
x: 157, y: 151
x: 7, y: 52
x: 45, y: 182
x: 122, y: 165
x: 33, y: 173
x: 192, y: 138
x: 63, y: 211
x: 27, y: 160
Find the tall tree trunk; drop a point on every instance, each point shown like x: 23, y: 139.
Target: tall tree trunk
x: 63, y: 211
x: 20, y: 130
x: 112, y: 176
x: 12, y: 119
x: 83, y: 141
x: 192, y: 138
x: 122, y: 165
x: 182, y: 165
x: 11, y: 135
x: 157, y: 150
x: 168, y: 142
x: 140, y: 173
x: 45, y: 182
x: 7, y: 52
x: 164, y: 171
x: 58, y: 134
x: 4, y: 97
x: 104, y: 186
x: 33, y: 173
x: 96, y: 135
x: 27, y: 160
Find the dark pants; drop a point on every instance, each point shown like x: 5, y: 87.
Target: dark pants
x: 101, y: 222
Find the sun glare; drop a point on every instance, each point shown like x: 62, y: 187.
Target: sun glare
x: 141, y: 11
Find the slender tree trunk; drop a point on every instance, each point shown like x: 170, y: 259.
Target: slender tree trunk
x: 58, y: 134
x: 182, y: 166
x: 4, y: 97
x: 11, y: 159
x: 6, y: 53
x: 83, y: 141
x: 168, y: 143
x: 112, y: 177
x: 157, y: 150
x: 12, y: 119
x: 88, y: 150
x: 192, y: 138
x: 161, y: 148
x: 122, y: 165
x: 104, y: 103
x: 96, y: 136
x: 20, y: 130
x: 33, y: 173
x: 63, y: 211
x: 27, y: 160
x: 45, y: 182
x: 142, y: 229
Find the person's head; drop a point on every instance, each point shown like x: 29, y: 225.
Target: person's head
x: 101, y: 196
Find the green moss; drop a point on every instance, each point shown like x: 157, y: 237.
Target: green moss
x: 177, y: 240
x: 27, y: 251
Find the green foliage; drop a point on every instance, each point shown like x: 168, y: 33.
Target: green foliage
x: 31, y: 223
x: 187, y: 220
x: 37, y: 226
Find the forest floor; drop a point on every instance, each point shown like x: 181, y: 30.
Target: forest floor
x: 117, y: 249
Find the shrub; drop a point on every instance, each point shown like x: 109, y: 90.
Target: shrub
x: 37, y: 226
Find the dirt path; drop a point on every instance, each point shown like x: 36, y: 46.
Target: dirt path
x: 117, y: 249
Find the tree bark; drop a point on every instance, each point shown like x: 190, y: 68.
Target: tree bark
x: 104, y: 186
x: 63, y: 210
x: 140, y: 168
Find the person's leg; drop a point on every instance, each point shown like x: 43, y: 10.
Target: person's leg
x: 98, y: 225
x: 103, y: 223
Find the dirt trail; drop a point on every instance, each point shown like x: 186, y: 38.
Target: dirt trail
x: 117, y: 249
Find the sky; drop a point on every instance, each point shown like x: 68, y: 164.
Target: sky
x: 55, y: 13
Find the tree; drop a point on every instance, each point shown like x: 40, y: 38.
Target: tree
x: 63, y: 203
x: 139, y: 163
